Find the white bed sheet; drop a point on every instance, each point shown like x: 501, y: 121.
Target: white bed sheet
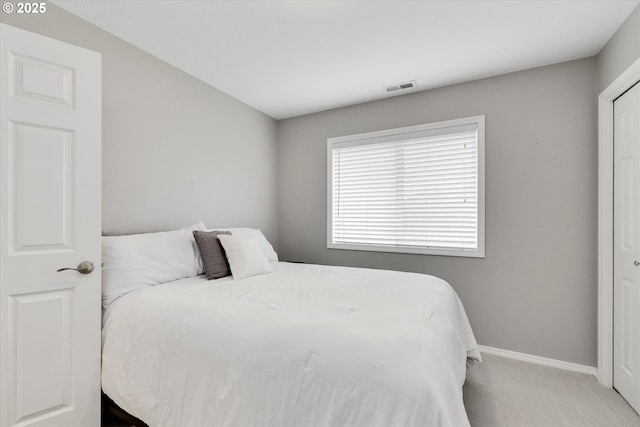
x: 306, y: 345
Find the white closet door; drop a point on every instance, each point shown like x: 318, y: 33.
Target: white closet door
x: 50, y: 216
x: 626, y: 268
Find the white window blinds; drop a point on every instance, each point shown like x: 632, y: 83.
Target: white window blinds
x: 414, y: 191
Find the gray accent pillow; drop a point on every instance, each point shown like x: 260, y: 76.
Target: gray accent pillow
x: 212, y: 253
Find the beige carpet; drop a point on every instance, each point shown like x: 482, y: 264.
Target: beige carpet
x: 505, y: 392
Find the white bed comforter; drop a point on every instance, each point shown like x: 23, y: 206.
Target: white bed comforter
x: 306, y: 345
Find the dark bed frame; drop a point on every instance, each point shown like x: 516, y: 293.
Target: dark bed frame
x: 111, y: 410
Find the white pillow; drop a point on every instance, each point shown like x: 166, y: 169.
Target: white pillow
x: 245, y: 256
x: 139, y: 260
x: 265, y: 246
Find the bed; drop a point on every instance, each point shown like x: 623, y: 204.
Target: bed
x: 304, y: 345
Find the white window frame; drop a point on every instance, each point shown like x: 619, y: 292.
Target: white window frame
x: 403, y: 134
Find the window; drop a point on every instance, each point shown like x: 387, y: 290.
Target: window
x: 417, y: 189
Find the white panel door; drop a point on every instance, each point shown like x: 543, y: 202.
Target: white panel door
x: 626, y: 256
x: 50, y: 217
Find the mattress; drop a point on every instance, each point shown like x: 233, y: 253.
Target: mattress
x: 305, y: 345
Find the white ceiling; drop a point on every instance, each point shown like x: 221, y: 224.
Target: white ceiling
x: 288, y: 58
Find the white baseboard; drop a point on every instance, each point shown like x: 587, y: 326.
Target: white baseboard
x: 539, y: 360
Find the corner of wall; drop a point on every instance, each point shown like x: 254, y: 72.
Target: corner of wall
x: 622, y: 49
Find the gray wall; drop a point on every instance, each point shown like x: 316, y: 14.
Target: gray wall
x: 535, y: 292
x: 175, y: 150
x: 622, y: 50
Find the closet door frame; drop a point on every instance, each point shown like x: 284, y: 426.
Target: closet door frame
x: 605, y: 218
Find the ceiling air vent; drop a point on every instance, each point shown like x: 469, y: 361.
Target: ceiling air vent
x: 401, y: 86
